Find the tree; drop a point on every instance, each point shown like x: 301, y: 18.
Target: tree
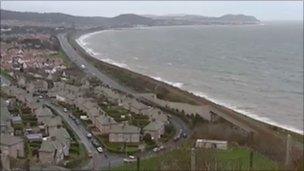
x: 148, y: 139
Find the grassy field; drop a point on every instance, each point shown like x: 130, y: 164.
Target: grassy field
x: 231, y: 159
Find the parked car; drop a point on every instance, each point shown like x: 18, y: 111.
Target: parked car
x: 90, y: 155
x: 156, y: 149
x: 99, y: 149
x: 77, y: 121
x: 184, y: 135
x: 83, y: 66
x: 95, y: 142
x: 65, y: 109
x: 89, y: 135
x: 130, y: 159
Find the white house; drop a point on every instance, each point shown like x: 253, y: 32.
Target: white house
x: 215, y: 144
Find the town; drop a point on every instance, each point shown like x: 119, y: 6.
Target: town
x: 57, y: 115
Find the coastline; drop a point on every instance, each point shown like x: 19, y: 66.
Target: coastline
x: 79, y: 39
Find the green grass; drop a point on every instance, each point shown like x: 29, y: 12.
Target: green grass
x: 235, y: 158
x: 117, y: 147
x: 116, y: 112
x: 78, y: 156
x: 169, y: 133
x: 5, y: 74
x: 62, y: 56
x: 241, y: 155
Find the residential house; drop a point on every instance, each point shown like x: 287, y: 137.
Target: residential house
x: 34, y: 137
x: 43, y: 114
x: 21, y: 82
x: 50, y: 152
x: 204, y: 143
x: 12, y: 145
x: 52, y: 124
x: 104, y: 123
x: 5, y: 119
x: 55, y: 147
x: 155, y: 115
x: 124, y: 133
x: 16, y: 120
x: 133, y: 105
x: 40, y: 85
x: 64, y: 138
x: 155, y: 128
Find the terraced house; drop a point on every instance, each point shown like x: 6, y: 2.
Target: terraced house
x: 124, y: 133
x: 54, y: 148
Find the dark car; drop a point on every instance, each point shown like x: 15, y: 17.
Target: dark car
x: 77, y: 121
x: 95, y: 142
x: 184, y: 135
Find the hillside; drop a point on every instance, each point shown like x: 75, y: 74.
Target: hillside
x: 124, y: 20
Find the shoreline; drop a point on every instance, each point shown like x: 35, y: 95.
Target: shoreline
x: 79, y: 39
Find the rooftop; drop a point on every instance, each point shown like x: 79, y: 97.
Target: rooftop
x: 154, y: 126
x: 43, y: 111
x: 211, y: 141
x: 34, y: 136
x: 5, y: 114
x: 105, y: 120
x: 125, y: 129
x: 54, y: 121
x: 9, y: 140
x: 61, y: 135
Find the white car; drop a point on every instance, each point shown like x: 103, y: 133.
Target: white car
x: 83, y: 66
x: 155, y: 149
x: 132, y: 157
x: 65, y: 109
x: 89, y: 135
x: 99, y: 149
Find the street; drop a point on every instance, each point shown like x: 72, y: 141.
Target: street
x: 89, y: 68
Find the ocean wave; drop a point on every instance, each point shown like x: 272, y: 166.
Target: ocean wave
x: 175, y: 84
x: 111, y: 61
x: 245, y: 111
x: 250, y: 114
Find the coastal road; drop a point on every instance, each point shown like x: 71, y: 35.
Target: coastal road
x: 89, y: 69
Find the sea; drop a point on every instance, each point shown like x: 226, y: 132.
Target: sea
x: 254, y: 69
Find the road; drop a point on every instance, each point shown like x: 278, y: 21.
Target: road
x: 100, y: 160
x: 113, y: 159
x: 89, y: 69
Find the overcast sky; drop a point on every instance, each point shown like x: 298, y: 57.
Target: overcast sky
x: 269, y: 10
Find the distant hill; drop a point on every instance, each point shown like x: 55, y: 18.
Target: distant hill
x: 124, y: 20
x: 198, y: 19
